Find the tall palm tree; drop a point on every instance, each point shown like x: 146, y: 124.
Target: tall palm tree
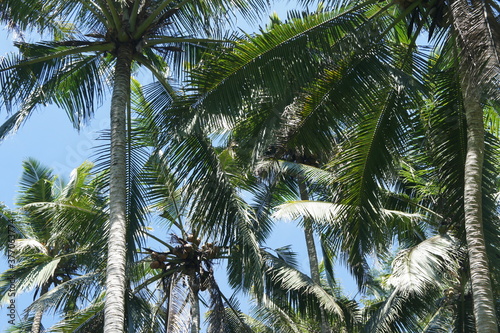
x: 383, y: 116
x: 184, y: 265
x: 58, y: 236
x: 102, y: 43
x: 476, y: 27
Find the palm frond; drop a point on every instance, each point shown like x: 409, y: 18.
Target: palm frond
x: 13, y: 229
x: 28, y: 274
x: 422, y: 266
x: 89, y: 319
x: 257, y: 58
x: 29, y: 245
x: 80, y: 288
x: 301, y: 291
x: 419, y: 275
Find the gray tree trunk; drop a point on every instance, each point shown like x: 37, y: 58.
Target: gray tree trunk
x: 477, y: 62
x: 311, y: 251
x: 484, y: 303
x: 114, y: 308
x: 195, y: 306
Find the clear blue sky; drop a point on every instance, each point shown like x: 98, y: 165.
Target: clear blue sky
x: 49, y: 137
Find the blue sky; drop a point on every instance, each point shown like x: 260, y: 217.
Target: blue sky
x: 49, y: 137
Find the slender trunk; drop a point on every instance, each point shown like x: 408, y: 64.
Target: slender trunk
x: 471, y: 28
x: 37, y: 320
x: 114, y: 308
x: 195, y: 306
x: 484, y: 305
x: 168, y: 290
x: 311, y: 251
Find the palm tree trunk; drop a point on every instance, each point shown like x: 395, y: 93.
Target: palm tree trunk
x: 471, y: 27
x: 311, y: 250
x: 195, y: 306
x: 114, y: 308
x: 168, y: 310
x: 37, y: 320
x: 484, y: 304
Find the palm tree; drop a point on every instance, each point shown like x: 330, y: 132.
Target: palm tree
x: 58, y: 241
x: 71, y: 71
x: 184, y: 267
x: 479, y: 71
x: 185, y: 270
x: 383, y: 113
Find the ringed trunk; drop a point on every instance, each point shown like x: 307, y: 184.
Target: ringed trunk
x: 476, y: 65
x: 114, y: 308
x: 484, y: 306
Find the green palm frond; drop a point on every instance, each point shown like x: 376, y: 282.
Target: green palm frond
x: 89, y: 319
x: 13, y: 229
x: 440, y: 321
x: 64, y: 224
x: 445, y: 134
x: 35, y: 183
x: 29, y: 274
x: 491, y: 221
x: 299, y: 289
x: 21, y: 326
x: 223, y: 315
x: 422, y: 266
x: 21, y: 16
x: 492, y: 119
x: 137, y: 166
x: 244, y: 253
x: 481, y: 59
x: 66, y: 77
x: 89, y: 284
x: 274, y: 317
x: 265, y: 55
x: 194, y: 159
x: 395, y: 314
x: 420, y: 275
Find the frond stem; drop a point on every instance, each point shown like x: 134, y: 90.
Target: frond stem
x: 133, y: 16
x: 247, y: 329
x: 114, y: 14
x: 76, y: 50
x: 157, y: 239
x: 164, y: 40
x: 154, y: 16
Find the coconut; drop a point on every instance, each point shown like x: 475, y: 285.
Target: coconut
x: 155, y: 264
x: 188, y: 248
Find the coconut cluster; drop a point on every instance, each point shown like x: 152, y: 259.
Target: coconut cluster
x: 188, y: 253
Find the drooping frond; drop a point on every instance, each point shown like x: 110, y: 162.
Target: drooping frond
x: 89, y: 319
x: 422, y: 266
x: 29, y: 274
x: 298, y: 289
x: 419, y: 275
x: 89, y: 284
